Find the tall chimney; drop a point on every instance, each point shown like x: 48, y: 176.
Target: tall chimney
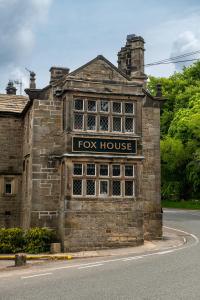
x: 131, y: 57
x: 58, y: 73
x: 11, y: 89
x: 32, y: 80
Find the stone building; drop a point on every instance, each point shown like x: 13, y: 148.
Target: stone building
x: 82, y: 154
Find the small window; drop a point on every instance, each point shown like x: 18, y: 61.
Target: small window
x: 77, y: 187
x: 104, y: 106
x: 103, y: 187
x: 90, y: 187
x: 103, y: 123
x: 129, y: 108
x: 91, y: 170
x: 129, y: 188
x: 116, y: 170
x: 78, y: 121
x: 103, y: 170
x: 129, y: 125
x: 116, y: 188
x: 78, y: 169
x: 8, y: 187
x: 129, y: 171
x: 91, y: 105
x: 117, y: 107
x: 117, y: 124
x: 78, y: 104
x: 91, y: 122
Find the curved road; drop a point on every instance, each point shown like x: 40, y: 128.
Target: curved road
x: 171, y: 276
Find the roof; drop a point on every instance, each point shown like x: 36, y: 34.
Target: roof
x: 13, y: 103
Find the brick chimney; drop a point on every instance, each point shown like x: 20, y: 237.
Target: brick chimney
x: 58, y: 73
x: 131, y: 57
x: 11, y: 89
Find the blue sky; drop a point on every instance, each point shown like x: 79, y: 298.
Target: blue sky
x: 38, y: 34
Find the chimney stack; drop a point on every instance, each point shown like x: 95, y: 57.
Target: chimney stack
x: 32, y: 80
x: 58, y: 73
x: 131, y: 57
x: 11, y: 89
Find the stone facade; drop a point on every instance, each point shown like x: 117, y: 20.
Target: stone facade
x: 82, y: 154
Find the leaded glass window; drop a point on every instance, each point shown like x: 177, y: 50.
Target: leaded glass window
x: 117, y: 124
x: 103, y: 123
x: 90, y: 187
x: 91, y: 122
x: 116, y: 170
x: 103, y: 187
x: 117, y: 107
x: 78, y: 169
x: 129, y: 108
x: 78, y: 121
x: 91, y: 169
x: 91, y: 105
x: 103, y: 170
x: 104, y: 106
x: 129, y: 124
x: 129, y: 188
x: 129, y: 170
x: 77, y: 187
x: 78, y: 104
x: 116, y: 188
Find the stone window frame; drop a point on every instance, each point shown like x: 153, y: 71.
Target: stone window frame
x: 108, y: 190
x: 106, y: 164
x: 11, y: 181
x: 133, y: 183
x: 95, y: 187
x: 95, y: 168
x: 81, y: 169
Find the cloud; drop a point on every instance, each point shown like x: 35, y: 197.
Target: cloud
x: 186, y: 42
x: 19, y: 21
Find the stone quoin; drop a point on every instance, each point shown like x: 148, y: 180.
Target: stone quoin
x: 82, y: 155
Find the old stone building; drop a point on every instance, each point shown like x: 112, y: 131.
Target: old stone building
x: 82, y: 154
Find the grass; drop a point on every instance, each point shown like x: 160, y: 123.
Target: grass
x: 187, y: 204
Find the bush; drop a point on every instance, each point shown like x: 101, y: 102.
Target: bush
x: 35, y: 240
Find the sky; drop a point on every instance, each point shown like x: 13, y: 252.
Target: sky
x: 38, y: 34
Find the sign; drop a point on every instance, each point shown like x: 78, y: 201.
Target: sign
x: 82, y: 144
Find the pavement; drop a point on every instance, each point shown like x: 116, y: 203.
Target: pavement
x: 171, y: 239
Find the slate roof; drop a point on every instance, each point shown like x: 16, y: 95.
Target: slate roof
x: 13, y: 103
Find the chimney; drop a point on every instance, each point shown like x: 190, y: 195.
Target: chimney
x: 131, y: 57
x: 58, y: 73
x: 32, y: 80
x: 11, y: 89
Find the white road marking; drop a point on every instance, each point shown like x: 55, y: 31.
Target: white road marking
x: 36, y: 275
x: 185, y: 232
x: 91, y: 266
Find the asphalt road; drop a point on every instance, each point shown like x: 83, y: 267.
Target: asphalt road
x: 169, y: 275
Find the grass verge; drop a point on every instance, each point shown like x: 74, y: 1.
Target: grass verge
x: 187, y: 204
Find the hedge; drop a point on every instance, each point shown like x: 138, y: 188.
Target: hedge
x: 34, y: 240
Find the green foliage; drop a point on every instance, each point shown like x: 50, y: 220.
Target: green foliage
x: 180, y: 133
x: 35, y: 240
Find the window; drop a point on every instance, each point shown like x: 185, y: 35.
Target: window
x: 78, y: 121
x: 78, y: 169
x: 129, y: 124
x: 91, y: 105
x: 129, y: 188
x: 77, y: 187
x: 129, y: 171
x: 117, y: 107
x: 116, y: 188
x: 8, y: 187
x: 103, y: 170
x: 104, y: 106
x: 129, y: 109
x: 78, y: 104
x: 91, y: 169
x: 91, y: 122
x: 103, y: 123
x: 103, y: 188
x: 90, y: 187
x: 117, y: 124
x: 116, y: 170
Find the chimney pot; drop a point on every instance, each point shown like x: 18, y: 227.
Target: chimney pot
x: 11, y: 89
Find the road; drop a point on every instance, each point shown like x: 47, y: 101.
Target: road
x: 173, y: 275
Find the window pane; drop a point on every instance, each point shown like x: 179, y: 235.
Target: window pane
x: 78, y: 169
x: 129, y: 170
x: 78, y: 121
x: 103, y: 170
x: 78, y: 104
x: 129, y: 124
x: 90, y: 169
x: 8, y: 189
x: 129, y: 188
x: 116, y: 188
x: 117, y: 107
x: 91, y: 105
x: 104, y: 106
x: 103, y: 187
x: 90, y: 189
x: 117, y: 126
x: 91, y: 122
x: 103, y: 123
x: 77, y: 187
x: 129, y: 108
x: 116, y: 170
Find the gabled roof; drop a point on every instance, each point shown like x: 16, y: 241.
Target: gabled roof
x: 101, y: 59
x: 13, y: 103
